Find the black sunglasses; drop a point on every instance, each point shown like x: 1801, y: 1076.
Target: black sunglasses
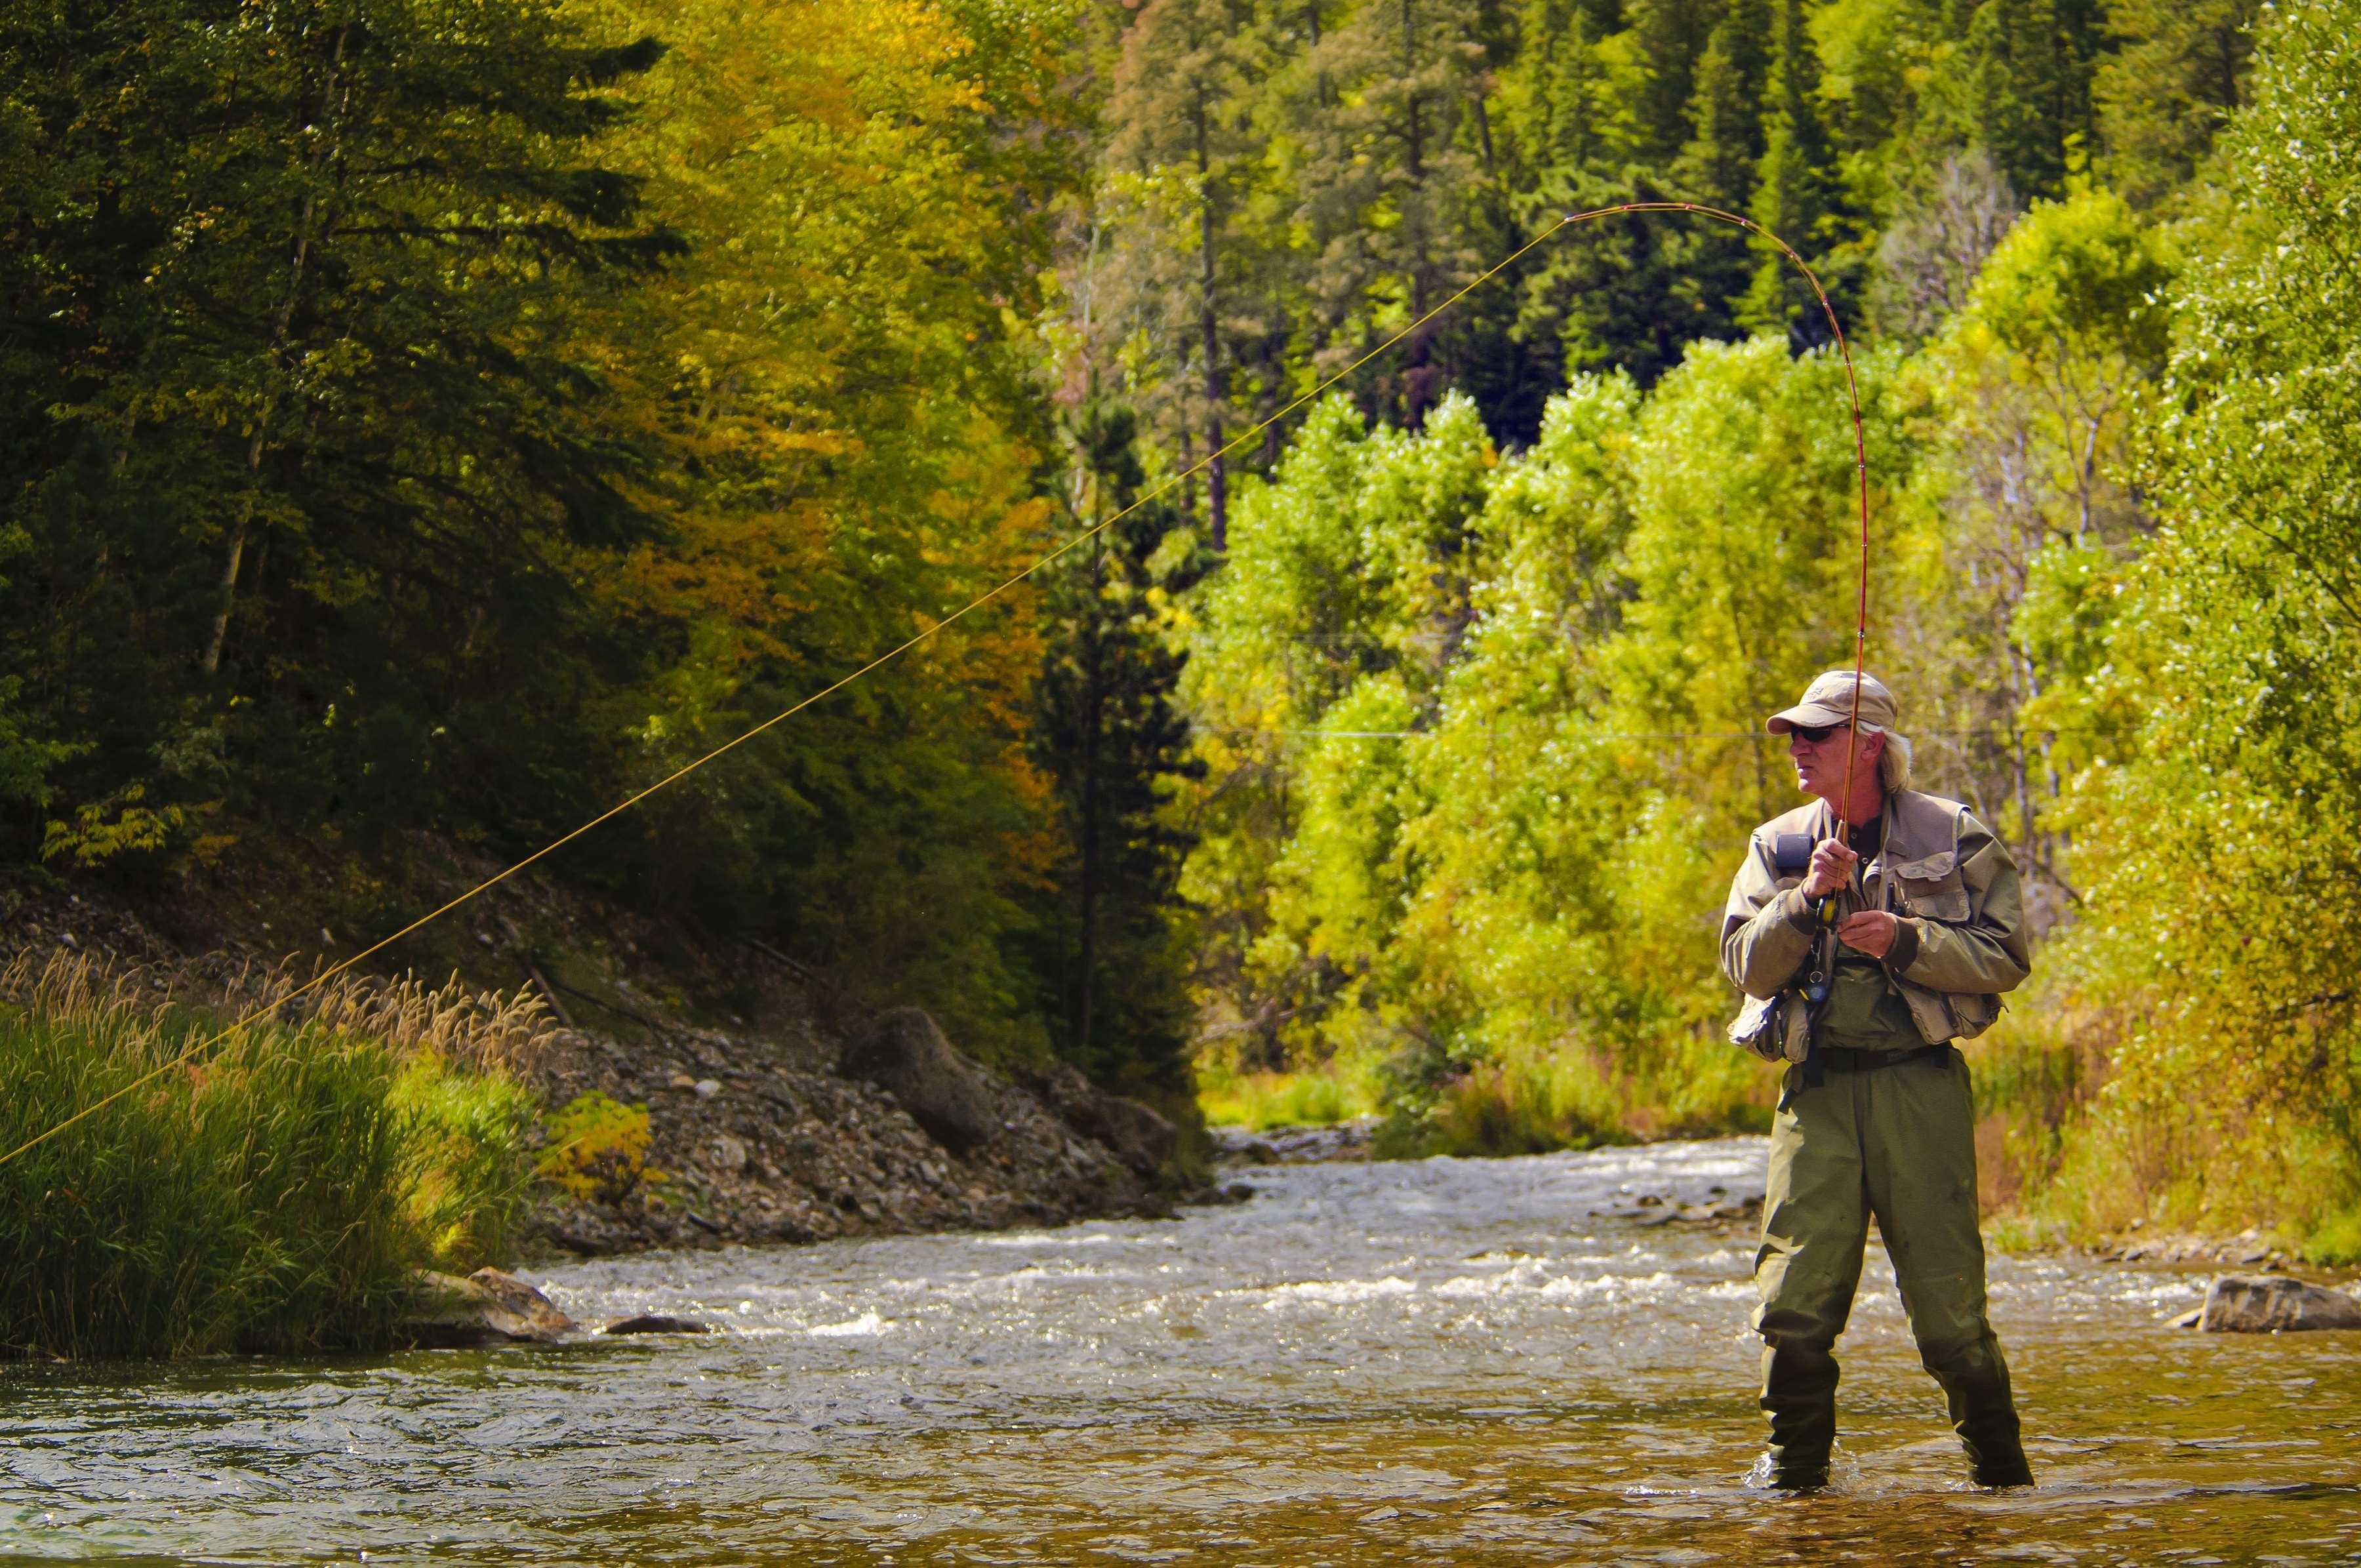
x: 1813, y: 734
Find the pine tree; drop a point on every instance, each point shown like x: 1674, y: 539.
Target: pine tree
x: 1669, y: 37
x: 2175, y: 76
x: 1798, y: 193
x: 295, y: 427
x: 1109, y: 735
x: 1724, y: 155
x: 1182, y: 111
x: 2028, y: 79
x: 1384, y: 188
x: 1608, y: 293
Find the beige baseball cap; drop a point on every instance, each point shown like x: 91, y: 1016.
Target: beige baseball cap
x: 1829, y: 701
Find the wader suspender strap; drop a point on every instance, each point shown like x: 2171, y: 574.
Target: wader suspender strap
x: 1819, y: 981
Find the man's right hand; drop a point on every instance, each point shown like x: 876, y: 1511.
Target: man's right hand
x: 1831, y: 870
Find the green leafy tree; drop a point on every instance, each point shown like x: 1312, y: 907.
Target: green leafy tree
x: 2229, y: 823
x: 303, y: 460
x: 2036, y: 386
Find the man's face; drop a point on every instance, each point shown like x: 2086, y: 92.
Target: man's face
x: 1822, y: 758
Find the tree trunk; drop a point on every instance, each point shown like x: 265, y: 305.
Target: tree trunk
x: 1217, y: 488
x: 1188, y: 467
x: 236, y: 550
x: 1319, y: 82
x: 1093, y: 718
x: 297, y: 263
x: 1414, y: 137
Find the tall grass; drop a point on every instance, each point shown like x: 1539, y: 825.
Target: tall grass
x: 1261, y: 1100
x: 1526, y: 1101
x: 273, y: 1193
x: 1535, y: 1100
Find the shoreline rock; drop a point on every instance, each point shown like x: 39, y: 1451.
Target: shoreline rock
x: 786, y: 1151
x: 2253, y: 1303
x: 657, y: 1324
x: 1297, y: 1146
x: 488, y: 1307
x: 755, y: 1137
x: 902, y: 1052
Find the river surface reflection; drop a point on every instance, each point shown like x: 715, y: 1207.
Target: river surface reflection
x: 1445, y: 1361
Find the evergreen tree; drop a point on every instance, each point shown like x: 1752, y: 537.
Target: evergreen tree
x: 297, y: 441
x: 1798, y: 193
x: 2029, y: 81
x: 1610, y: 293
x: 1384, y: 185
x: 1724, y: 155
x: 1181, y: 114
x: 2175, y: 76
x: 1109, y: 735
x: 1668, y: 38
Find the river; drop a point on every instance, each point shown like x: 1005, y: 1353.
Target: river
x: 1445, y: 1361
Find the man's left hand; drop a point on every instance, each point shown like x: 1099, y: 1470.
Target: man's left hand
x: 1871, y: 931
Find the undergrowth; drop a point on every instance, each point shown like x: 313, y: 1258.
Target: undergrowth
x: 1533, y: 1102
x: 1523, y: 1103
x: 2071, y: 1150
x: 1260, y: 1100
x: 271, y: 1194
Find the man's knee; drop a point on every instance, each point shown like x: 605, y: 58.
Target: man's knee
x: 1973, y: 1365
x: 1803, y: 1297
x: 1947, y: 1313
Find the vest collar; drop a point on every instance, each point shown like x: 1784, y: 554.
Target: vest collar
x: 1917, y: 825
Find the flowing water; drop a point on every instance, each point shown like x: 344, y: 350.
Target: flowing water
x: 1447, y: 1362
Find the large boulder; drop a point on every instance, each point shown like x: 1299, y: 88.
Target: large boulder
x: 1136, y: 1133
x: 485, y: 1309
x: 2261, y: 1303
x: 904, y: 1054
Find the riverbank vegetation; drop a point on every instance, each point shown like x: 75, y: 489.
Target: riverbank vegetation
x: 428, y: 425
x: 273, y: 1192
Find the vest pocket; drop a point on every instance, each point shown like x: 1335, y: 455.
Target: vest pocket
x: 1971, y: 1012
x: 1931, y: 887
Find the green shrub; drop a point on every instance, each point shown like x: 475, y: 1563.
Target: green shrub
x: 271, y: 1194
x: 1523, y: 1105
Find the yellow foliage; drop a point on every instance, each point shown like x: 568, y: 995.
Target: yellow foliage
x: 108, y: 827
x: 599, y: 1150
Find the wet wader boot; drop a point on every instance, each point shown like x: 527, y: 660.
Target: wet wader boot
x: 1897, y: 1142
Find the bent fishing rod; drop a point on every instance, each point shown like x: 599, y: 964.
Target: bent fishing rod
x: 1569, y: 220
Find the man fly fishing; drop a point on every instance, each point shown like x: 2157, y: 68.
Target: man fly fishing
x: 1869, y: 930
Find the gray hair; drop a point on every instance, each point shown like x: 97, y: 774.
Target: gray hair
x: 1894, y: 763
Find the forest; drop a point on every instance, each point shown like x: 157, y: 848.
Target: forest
x: 426, y: 424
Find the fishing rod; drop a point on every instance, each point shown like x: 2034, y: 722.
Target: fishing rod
x: 1568, y: 221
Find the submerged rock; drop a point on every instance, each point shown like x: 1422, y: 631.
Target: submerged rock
x: 487, y: 1307
x: 657, y: 1323
x: 904, y: 1054
x: 2247, y: 1303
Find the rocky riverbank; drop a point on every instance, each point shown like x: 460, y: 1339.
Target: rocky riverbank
x: 762, y: 1140
x: 792, y: 1132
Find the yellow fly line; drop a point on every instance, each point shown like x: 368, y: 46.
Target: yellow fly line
x: 1564, y: 222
